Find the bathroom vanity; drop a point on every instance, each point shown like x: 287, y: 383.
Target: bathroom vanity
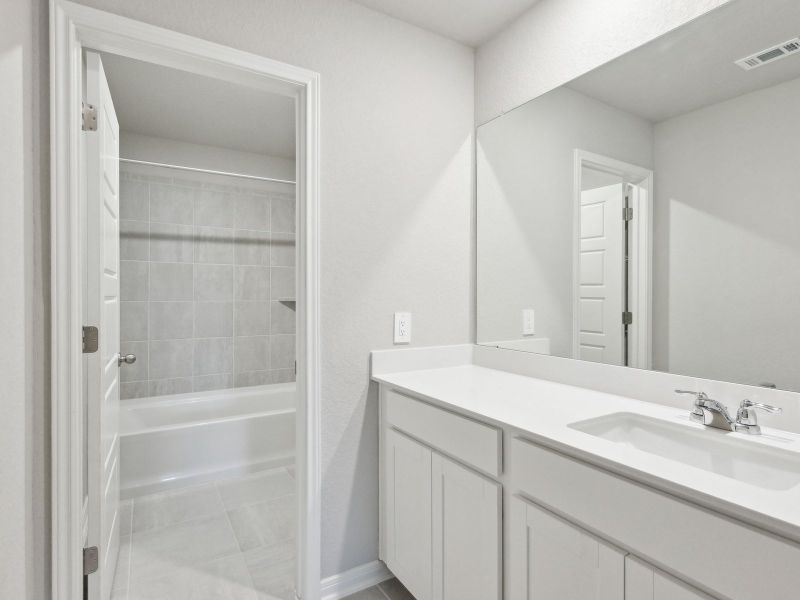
x: 498, y: 484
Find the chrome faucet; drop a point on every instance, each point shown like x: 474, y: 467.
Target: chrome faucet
x: 708, y: 411
x: 713, y: 413
x: 746, y: 421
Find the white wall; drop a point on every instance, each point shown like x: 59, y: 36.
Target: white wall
x: 726, y: 244
x: 558, y: 40
x: 525, y: 207
x: 174, y: 152
x: 397, y: 122
x: 24, y: 528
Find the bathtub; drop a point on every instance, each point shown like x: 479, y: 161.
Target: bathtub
x: 182, y: 439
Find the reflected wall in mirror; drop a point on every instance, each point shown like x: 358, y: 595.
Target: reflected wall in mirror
x: 648, y: 213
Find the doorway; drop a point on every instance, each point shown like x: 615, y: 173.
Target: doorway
x: 611, y: 261
x: 132, y: 352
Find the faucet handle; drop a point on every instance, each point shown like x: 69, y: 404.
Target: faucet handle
x: 699, y: 396
x: 746, y: 420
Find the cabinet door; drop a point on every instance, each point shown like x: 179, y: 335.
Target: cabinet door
x: 466, y: 533
x: 644, y: 582
x: 408, y: 513
x: 550, y: 558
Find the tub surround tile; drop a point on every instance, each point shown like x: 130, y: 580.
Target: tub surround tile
x: 213, y: 208
x: 282, y: 352
x: 282, y: 249
x: 252, y: 283
x: 283, y: 219
x: 171, y: 358
x: 171, y: 204
x: 250, y: 378
x: 171, y: 320
x: 251, y: 354
x: 213, y: 319
x: 213, y: 245
x: 170, y: 242
x: 251, y: 318
x: 134, y: 200
x: 252, y: 212
x: 213, y: 356
x: 134, y: 280
x: 213, y: 283
x: 170, y: 281
x: 166, y: 387
x: 133, y: 321
x: 134, y: 240
x: 197, y: 262
x: 205, y: 383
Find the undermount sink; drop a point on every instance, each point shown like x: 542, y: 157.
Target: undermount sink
x: 712, y: 450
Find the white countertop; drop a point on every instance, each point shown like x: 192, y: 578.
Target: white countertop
x: 542, y: 410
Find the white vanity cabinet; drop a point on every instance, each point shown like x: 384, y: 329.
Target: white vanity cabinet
x: 645, y: 582
x: 441, y: 519
x: 552, y: 559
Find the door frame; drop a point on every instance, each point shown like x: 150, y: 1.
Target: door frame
x: 640, y: 345
x: 73, y: 27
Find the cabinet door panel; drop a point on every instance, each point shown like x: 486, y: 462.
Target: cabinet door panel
x: 551, y: 559
x: 644, y: 582
x: 466, y: 533
x: 408, y: 513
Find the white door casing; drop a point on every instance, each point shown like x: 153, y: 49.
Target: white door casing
x: 103, y: 310
x: 601, y: 268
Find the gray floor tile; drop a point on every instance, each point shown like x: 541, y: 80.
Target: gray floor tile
x: 157, y: 552
x: 222, y: 579
x: 272, y: 569
x: 256, y: 488
x: 373, y: 593
x: 395, y: 590
x: 264, y: 523
x: 169, y: 508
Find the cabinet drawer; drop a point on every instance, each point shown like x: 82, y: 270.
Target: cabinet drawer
x: 695, y: 544
x: 469, y: 441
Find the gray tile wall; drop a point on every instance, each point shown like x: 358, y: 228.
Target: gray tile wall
x: 207, y: 270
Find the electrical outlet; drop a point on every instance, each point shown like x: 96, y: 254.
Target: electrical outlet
x: 527, y: 322
x: 402, y: 328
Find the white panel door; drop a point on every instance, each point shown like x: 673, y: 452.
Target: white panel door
x: 644, y: 582
x: 408, y: 513
x: 102, y: 299
x: 600, y: 299
x: 466, y: 533
x: 554, y: 560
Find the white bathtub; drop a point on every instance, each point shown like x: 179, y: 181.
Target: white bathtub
x: 171, y: 441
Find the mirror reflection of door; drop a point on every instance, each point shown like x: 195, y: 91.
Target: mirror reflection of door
x: 601, y: 268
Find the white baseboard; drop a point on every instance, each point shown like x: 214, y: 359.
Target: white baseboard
x: 352, y: 581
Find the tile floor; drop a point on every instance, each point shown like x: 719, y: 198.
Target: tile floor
x: 388, y: 590
x: 228, y: 540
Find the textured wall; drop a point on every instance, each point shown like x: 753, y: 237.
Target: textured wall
x: 558, y: 40
x: 397, y: 122
x: 207, y: 266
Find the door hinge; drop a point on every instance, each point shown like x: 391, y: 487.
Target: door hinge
x: 627, y: 214
x: 627, y: 318
x: 90, y: 339
x: 91, y: 560
x: 88, y: 117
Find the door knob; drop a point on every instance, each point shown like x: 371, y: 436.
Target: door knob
x: 128, y: 359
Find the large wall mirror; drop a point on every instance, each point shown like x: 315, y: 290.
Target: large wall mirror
x: 647, y: 214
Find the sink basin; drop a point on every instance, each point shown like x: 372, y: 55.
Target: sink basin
x: 712, y: 450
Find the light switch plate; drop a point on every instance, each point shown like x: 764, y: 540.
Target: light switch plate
x: 402, y: 328
x: 528, y: 322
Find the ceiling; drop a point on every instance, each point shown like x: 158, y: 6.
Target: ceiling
x: 694, y: 66
x: 468, y: 21
x: 168, y: 103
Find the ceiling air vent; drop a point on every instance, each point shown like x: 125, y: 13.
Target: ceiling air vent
x: 770, y: 54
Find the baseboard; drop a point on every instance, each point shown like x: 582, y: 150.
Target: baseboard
x: 352, y: 581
